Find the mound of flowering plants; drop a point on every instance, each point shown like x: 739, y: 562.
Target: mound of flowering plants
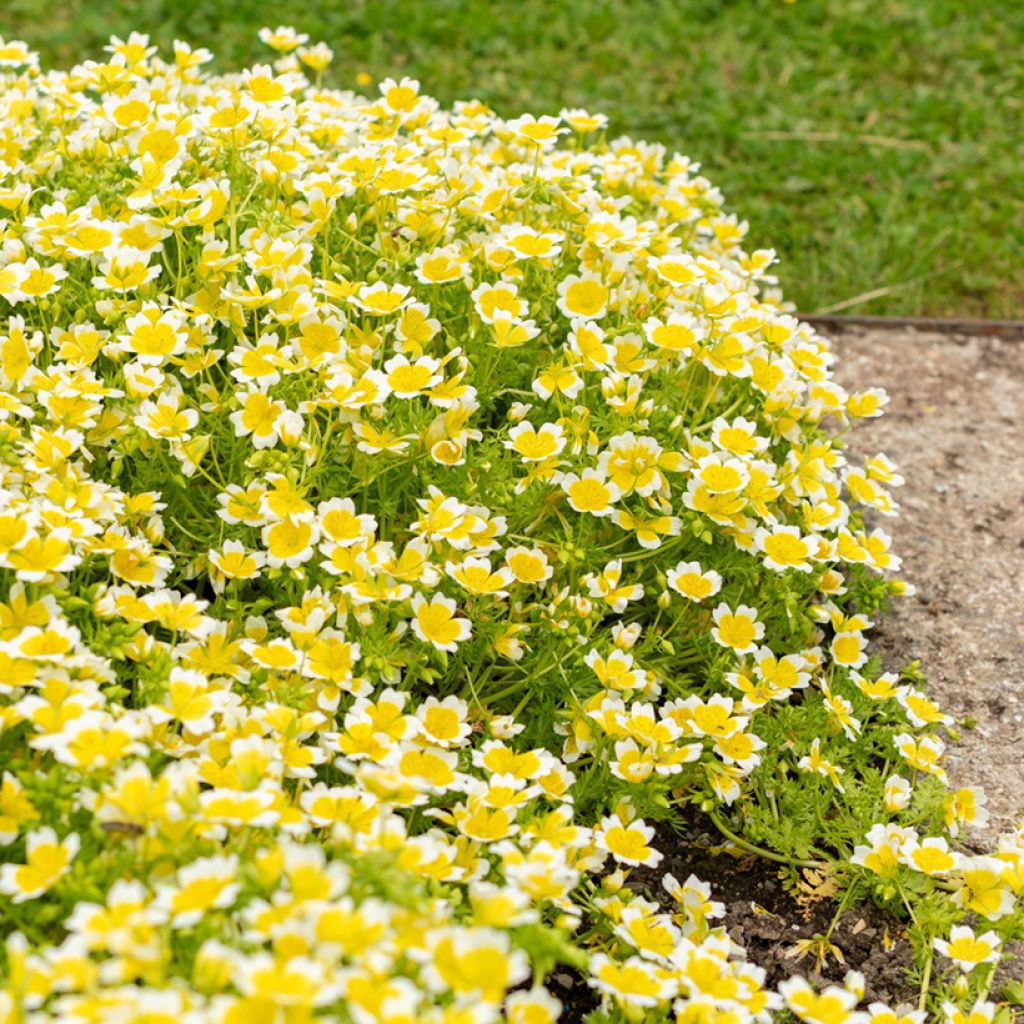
x: 403, y: 510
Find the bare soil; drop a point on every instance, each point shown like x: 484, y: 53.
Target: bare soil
x: 769, y: 919
x: 955, y: 427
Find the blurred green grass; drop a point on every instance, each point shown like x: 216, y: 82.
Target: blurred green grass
x: 875, y: 144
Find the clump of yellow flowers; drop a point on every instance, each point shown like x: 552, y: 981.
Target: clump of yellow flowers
x: 402, y: 511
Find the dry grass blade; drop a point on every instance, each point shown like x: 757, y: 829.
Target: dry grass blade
x: 885, y: 141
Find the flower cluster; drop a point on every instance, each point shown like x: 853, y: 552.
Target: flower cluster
x: 401, y: 510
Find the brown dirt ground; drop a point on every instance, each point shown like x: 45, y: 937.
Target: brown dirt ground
x: 768, y: 919
x: 955, y: 427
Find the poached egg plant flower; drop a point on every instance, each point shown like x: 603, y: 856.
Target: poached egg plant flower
x: 403, y: 511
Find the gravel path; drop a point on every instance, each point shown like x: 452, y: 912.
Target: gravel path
x: 955, y: 427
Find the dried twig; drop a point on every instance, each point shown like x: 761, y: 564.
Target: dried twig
x: 885, y: 141
x: 877, y: 293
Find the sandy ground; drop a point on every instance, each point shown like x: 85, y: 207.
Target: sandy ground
x: 955, y: 427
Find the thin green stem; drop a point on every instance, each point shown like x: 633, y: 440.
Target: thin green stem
x: 926, y: 981
x: 743, y: 844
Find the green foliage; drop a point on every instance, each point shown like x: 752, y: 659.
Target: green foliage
x: 902, y: 169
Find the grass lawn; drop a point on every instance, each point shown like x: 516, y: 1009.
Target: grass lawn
x: 876, y: 144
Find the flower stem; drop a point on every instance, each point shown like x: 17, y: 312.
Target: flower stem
x: 743, y: 844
